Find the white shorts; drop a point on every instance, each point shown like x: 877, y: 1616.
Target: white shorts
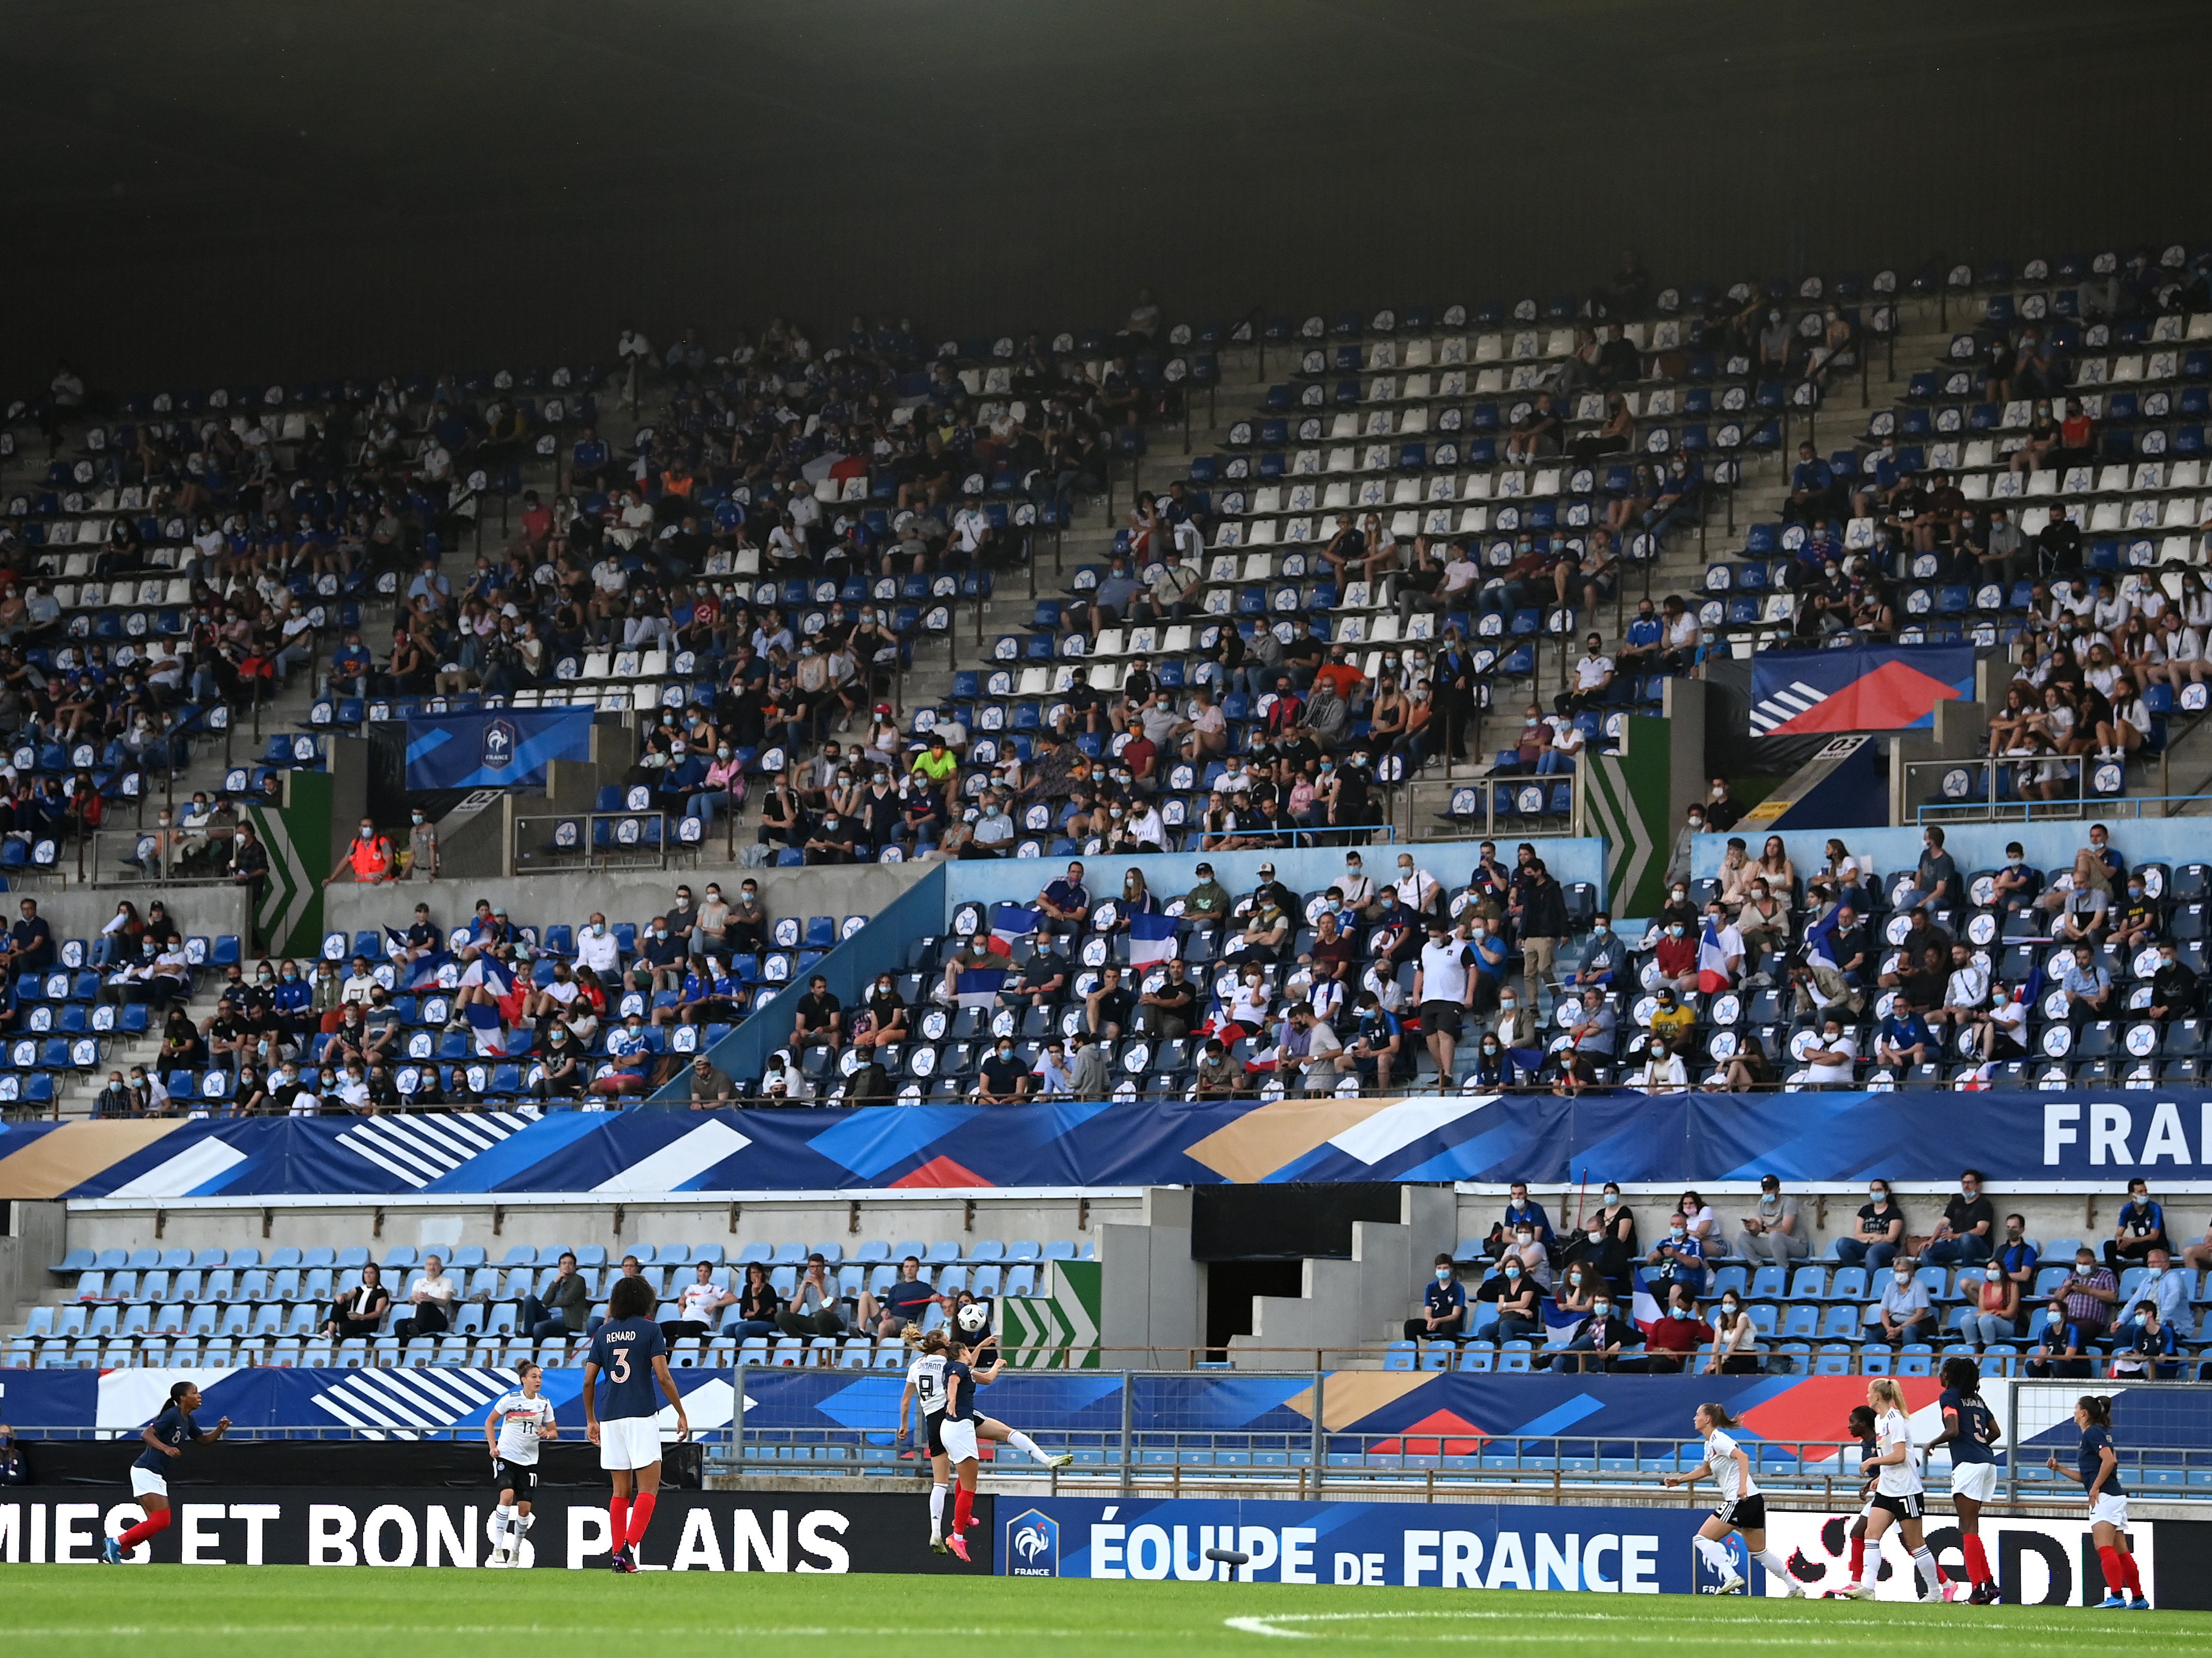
x: 2109, y: 1510
x: 1975, y: 1481
x: 959, y: 1441
x: 629, y: 1441
x: 145, y: 1482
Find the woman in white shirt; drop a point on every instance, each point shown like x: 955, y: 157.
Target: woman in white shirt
x: 1743, y: 1508
x: 1701, y: 1220
x: 1900, y: 1497
x: 2123, y: 733
x: 1664, y: 1071
x: 1250, y: 1001
x: 1735, y: 1349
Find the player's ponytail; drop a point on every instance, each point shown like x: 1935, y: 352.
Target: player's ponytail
x: 178, y: 1390
x: 1718, y: 1416
x: 2097, y: 1407
x: 1964, y: 1377
x: 1883, y: 1391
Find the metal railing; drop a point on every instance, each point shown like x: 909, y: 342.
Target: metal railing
x: 1967, y: 791
x: 569, y: 843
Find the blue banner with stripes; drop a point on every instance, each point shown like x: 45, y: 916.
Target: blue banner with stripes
x: 498, y: 749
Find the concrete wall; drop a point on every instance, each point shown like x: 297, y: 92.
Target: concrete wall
x: 80, y: 912
x: 1305, y: 869
x: 545, y: 899
x: 1344, y: 1305
x: 1152, y: 1294
x: 31, y: 1242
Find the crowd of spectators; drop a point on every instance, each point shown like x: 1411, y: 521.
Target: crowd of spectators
x: 1719, y: 1305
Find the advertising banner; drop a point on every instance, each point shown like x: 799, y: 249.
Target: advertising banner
x: 1473, y: 1545
x: 691, y: 1531
x: 499, y: 748
x: 2101, y: 1138
x: 1865, y: 687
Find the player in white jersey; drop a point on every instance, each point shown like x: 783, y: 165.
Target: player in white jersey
x: 925, y: 1394
x: 1742, y: 1507
x: 1899, y: 1496
x: 519, y: 1422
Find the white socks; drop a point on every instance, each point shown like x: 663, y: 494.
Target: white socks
x: 1774, y: 1563
x: 502, y: 1522
x: 937, y: 1510
x: 1022, y: 1443
x: 1716, y: 1556
x: 1924, y: 1562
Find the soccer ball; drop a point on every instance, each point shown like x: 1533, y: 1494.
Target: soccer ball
x: 975, y: 1318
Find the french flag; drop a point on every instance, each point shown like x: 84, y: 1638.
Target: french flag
x: 424, y: 974
x: 493, y: 1039
x: 1151, y: 938
x: 1009, y: 922
x: 1644, y: 1307
x: 1561, y: 1324
x: 395, y: 944
x: 978, y: 986
x: 491, y: 972
x: 1712, y: 960
x: 1821, y: 942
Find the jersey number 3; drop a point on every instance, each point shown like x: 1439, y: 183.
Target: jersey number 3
x: 618, y: 1366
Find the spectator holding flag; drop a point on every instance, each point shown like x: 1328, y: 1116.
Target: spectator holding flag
x: 1720, y: 952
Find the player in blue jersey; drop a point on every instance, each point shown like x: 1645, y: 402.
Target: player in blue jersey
x: 1970, y: 1430
x: 633, y: 1355
x: 2097, y: 1467
x: 955, y: 1431
x: 165, y: 1437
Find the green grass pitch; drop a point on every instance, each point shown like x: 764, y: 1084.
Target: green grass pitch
x: 272, y: 1611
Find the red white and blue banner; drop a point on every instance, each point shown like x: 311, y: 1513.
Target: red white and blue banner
x: 1861, y: 688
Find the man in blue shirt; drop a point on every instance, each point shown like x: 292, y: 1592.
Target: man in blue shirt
x: 1521, y: 1210
x: 630, y: 1351
x: 1377, y: 1042
x: 2140, y: 1229
x: 1812, y: 486
x: 1906, y: 1039
x: 2088, y: 986
x: 587, y: 460
x: 1443, y: 1302
x: 1067, y: 901
x: 2163, y: 1290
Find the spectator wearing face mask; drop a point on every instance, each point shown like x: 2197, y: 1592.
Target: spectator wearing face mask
x: 1519, y: 1037
x: 595, y: 948
x: 1671, y: 1022
x: 1879, y: 1232
x: 1905, y: 1313
x: 1002, y: 1078
x: 1599, y: 1342
x: 1521, y: 1211
x: 1831, y: 1057
x: 1735, y: 1347
x: 1966, y: 1234
x: 1993, y: 1311
x: 1677, y: 1257
x: 1604, y: 957
x: 1663, y: 1072
x: 1522, y: 1244
x: 1773, y: 1231
x: 1677, y: 956
x: 1444, y: 1307
x: 1516, y: 1294
x: 1674, y: 1337
x: 2162, y: 1292
x: 1599, y: 1251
